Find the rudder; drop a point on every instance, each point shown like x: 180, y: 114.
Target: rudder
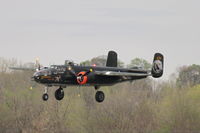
x: 158, y: 65
x: 111, y: 59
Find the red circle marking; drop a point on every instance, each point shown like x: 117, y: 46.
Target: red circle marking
x: 84, y: 80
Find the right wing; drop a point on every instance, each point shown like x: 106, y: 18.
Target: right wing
x: 112, y: 73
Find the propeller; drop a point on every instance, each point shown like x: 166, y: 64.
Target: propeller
x: 81, y: 76
x: 87, y: 72
x: 37, y: 64
x: 71, y: 70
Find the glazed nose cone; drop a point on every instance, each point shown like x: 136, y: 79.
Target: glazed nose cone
x: 36, y: 76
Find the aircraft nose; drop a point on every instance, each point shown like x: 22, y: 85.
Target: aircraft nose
x: 36, y: 76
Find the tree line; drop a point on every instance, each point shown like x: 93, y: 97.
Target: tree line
x: 142, y: 106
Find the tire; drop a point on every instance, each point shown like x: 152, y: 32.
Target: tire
x: 99, y: 96
x: 45, y: 97
x: 59, y: 94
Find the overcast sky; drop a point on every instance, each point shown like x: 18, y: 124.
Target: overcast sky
x: 55, y: 30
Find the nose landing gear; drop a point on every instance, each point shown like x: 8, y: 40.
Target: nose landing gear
x: 45, y: 96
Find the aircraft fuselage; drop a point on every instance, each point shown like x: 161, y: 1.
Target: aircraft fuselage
x: 60, y: 75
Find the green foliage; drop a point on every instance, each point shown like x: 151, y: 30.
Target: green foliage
x: 143, y: 106
x: 86, y: 63
x: 189, y: 76
x: 120, y: 63
x: 100, y: 61
x: 139, y: 62
x: 179, y: 111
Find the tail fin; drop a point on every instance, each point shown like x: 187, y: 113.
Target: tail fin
x: 112, y: 59
x: 158, y: 65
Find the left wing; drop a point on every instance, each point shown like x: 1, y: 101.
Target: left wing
x: 22, y: 68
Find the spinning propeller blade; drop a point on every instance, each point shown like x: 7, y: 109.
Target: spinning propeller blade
x: 71, y: 70
x: 37, y: 64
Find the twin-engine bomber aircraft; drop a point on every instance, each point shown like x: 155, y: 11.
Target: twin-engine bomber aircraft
x: 71, y: 74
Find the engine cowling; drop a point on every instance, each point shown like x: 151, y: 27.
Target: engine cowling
x: 82, y: 78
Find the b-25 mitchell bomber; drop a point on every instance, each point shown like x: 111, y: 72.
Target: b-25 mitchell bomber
x: 78, y: 75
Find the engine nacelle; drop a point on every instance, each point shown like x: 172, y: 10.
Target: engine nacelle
x: 82, y: 78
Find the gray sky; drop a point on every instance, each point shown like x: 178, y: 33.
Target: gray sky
x: 55, y: 30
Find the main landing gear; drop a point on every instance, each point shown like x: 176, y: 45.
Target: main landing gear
x: 59, y: 94
x: 100, y: 96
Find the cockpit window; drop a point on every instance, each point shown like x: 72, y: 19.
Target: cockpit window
x: 70, y: 63
x: 59, y: 69
x: 53, y: 66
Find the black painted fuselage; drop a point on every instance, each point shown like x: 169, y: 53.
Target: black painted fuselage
x: 60, y: 75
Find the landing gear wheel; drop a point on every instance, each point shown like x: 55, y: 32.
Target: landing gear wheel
x: 99, y: 96
x: 45, y: 97
x: 59, y: 94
